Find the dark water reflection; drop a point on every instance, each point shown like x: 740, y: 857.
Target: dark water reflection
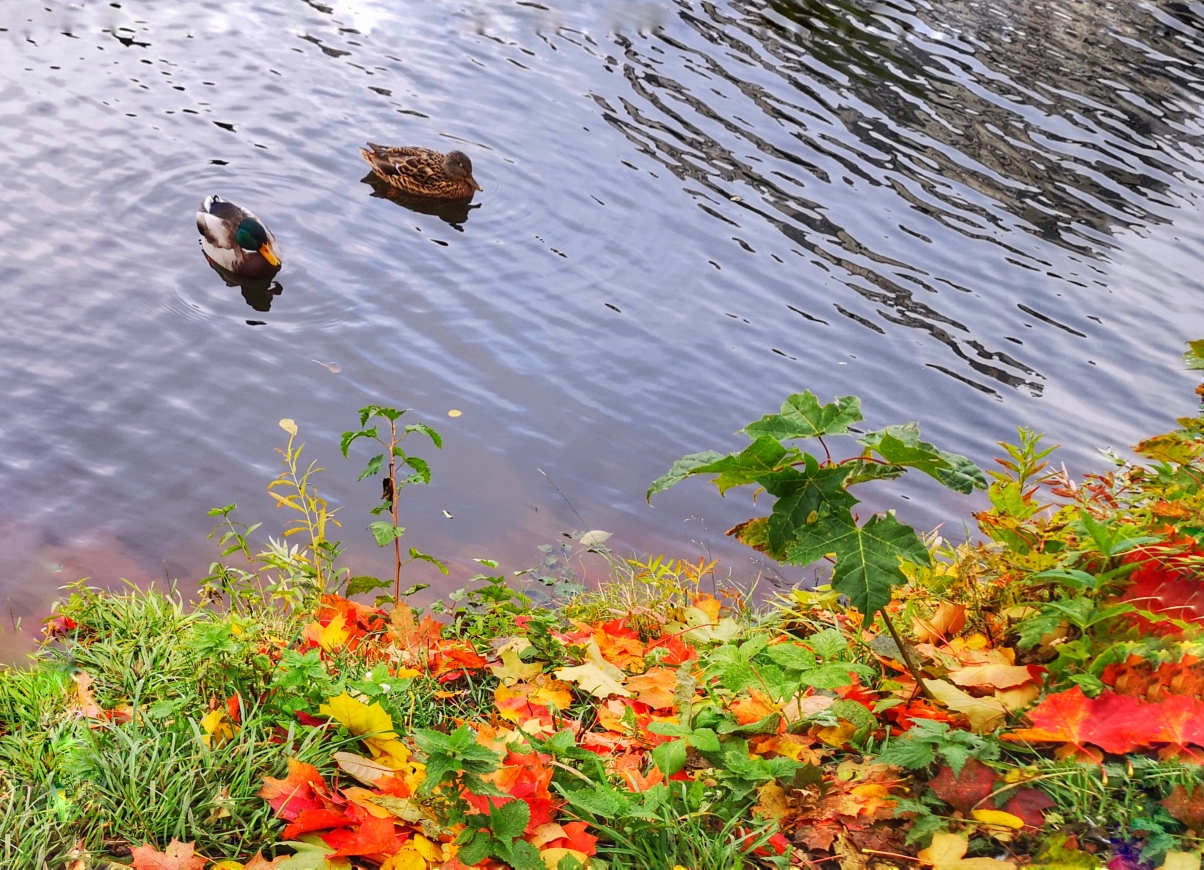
x: 972, y: 214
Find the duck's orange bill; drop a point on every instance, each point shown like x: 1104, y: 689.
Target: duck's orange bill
x: 268, y: 254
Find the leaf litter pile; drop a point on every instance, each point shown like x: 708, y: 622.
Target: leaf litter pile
x: 1033, y: 700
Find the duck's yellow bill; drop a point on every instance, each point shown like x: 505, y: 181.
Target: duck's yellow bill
x: 268, y: 254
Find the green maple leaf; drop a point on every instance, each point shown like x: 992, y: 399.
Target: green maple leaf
x: 901, y: 446
x: 681, y: 469
x: 867, y: 557
x: 804, y: 417
x: 765, y: 456
x: 804, y: 498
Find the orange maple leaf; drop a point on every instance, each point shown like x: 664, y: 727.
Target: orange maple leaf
x: 654, y: 687
x: 754, y: 708
x: 179, y: 856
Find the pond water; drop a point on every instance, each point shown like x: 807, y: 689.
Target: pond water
x: 971, y: 214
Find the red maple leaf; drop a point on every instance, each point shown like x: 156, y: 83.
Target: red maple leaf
x: 1166, y: 582
x: 303, y: 789
x: 308, y: 821
x: 1187, y: 808
x: 374, y: 837
x: 1061, y: 718
x: 1181, y: 724
x: 1028, y: 805
x: 575, y: 838
x: 967, y: 789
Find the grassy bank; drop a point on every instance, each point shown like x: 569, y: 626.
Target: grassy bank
x: 1034, y: 700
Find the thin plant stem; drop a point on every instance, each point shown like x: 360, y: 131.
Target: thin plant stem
x: 911, y: 666
x: 393, y: 506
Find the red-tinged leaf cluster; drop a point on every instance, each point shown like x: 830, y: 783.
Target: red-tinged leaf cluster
x: 1116, y: 724
x: 1140, y: 678
x: 375, y: 824
x: 341, y: 624
x: 1166, y: 583
x: 973, y: 787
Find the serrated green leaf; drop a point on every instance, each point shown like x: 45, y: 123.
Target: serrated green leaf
x: 385, y: 532
x: 360, y: 585
x: 867, y: 557
x: 476, y: 849
x: 372, y: 468
x: 802, y: 416
x: 426, y: 430
x: 681, y: 469
x: 792, y: 656
x: 349, y: 437
x: 508, y: 821
x: 705, y: 740
x: 834, y: 675
x: 423, y: 471
x: 670, y: 757
x: 909, y: 754
x: 601, y: 801
x: 829, y: 644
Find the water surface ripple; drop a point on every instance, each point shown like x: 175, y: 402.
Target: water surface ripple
x: 972, y: 214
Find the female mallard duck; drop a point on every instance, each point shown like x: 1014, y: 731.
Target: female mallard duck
x: 422, y: 172
x: 236, y: 240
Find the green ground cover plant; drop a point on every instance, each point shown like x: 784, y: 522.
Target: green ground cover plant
x: 1032, y: 699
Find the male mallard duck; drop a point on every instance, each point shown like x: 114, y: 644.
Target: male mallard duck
x: 422, y: 172
x: 236, y: 240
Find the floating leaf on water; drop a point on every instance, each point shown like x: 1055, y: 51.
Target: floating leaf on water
x: 449, y: 516
x: 333, y: 367
x: 454, y: 413
x: 288, y: 426
x: 594, y: 538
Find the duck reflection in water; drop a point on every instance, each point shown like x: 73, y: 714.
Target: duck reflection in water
x: 454, y: 212
x: 258, y: 292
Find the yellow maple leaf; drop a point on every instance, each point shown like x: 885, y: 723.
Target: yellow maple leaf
x: 513, y: 670
x: 984, y: 714
x: 992, y: 676
x: 597, y: 676
x: 332, y: 635
x: 771, y: 802
x: 389, y: 751
x: 359, y: 718
x: 947, y: 852
x: 217, y: 727
x: 1181, y: 861
x: 406, y: 859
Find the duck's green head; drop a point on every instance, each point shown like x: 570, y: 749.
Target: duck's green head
x: 252, y: 236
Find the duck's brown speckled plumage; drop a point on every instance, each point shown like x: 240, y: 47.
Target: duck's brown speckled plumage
x: 423, y: 172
